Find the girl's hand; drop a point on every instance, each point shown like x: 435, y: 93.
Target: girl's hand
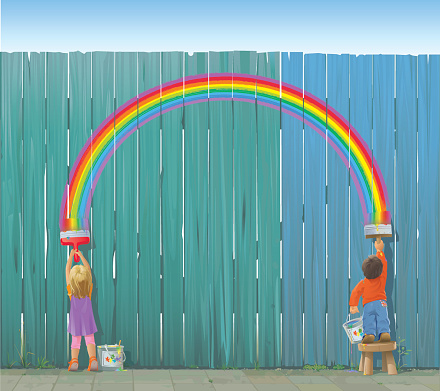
x: 79, y: 253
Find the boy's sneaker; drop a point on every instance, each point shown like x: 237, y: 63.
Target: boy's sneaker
x: 369, y: 338
x: 385, y: 337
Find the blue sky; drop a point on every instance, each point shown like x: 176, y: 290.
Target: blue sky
x: 398, y: 27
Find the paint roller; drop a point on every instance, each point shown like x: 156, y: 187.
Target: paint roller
x: 74, y: 232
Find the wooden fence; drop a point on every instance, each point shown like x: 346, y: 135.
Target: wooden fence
x: 189, y: 263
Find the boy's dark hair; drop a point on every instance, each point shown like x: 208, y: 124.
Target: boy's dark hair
x: 372, y: 267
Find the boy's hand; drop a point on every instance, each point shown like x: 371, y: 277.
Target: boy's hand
x: 379, y: 245
x: 353, y: 309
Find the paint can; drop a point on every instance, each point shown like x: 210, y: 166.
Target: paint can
x: 110, y: 357
x: 354, y: 329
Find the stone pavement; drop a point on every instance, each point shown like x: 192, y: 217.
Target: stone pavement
x: 216, y: 379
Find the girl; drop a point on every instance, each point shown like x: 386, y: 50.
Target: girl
x: 81, y: 320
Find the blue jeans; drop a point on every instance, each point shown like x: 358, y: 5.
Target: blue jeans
x: 375, y: 318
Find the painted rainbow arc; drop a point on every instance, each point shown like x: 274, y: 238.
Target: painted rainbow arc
x: 136, y: 112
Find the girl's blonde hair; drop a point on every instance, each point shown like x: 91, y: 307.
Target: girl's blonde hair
x: 80, y: 281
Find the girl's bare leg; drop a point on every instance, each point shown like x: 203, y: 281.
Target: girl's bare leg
x: 91, y: 349
x: 75, y: 353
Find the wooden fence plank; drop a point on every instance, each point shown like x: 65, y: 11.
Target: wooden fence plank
x: 337, y: 218
x: 149, y: 221
x: 383, y: 151
x: 268, y: 189
x: 196, y: 219
x: 11, y: 112
x: 314, y: 221
x: 220, y: 220
x: 80, y: 127
x: 245, y: 301
x: 292, y: 226
x: 34, y: 157
x: 172, y: 200
x: 103, y: 220
x: 56, y: 179
x: 428, y: 340
x: 406, y: 203
x: 126, y: 211
x: 361, y: 117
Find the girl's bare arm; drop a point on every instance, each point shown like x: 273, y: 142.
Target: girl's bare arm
x: 69, y: 265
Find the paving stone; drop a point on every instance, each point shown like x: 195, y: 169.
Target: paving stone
x: 153, y: 387
x: 309, y: 380
x: 111, y: 387
x: 426, y: 380
x: 8, y: 382
x: 394, y: 379
x: 362, y: 387
x: 106, y: 377
x: 77, y: 377
x: 269, y: 379
x: 276, y: 387
x: 186, y: 372
x: 227, y: 377
x: 33, y: 387
x: 190, y: 379
x: 407, y: 387
x: 262, y: 372
x: 434, y: 387
x: 318, y: 387
x: 351, y: 380
x: 37, y: 379
x: 234, y: 387
x: 72, y: 387
x: 193, y: 387
x: 152, y: 376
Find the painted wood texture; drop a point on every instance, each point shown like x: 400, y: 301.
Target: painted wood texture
x: 56, y: 178
x: 314, y: 221
x: 221, y: 178
x: 197, y: 284
x: 383, y: 152
x: 337, y: 218
x: 361, y: 119
x: 102, y: 213
x: 126, y: 214
x: 406, y: 203
x: 268, y: 190
x: 11, y: 112
x: 245, y: 172
x: 172, y: 220
x: 428, y: 249
x: 149, y: 221
x: 220, y: 221
x: 292, y: 133
x: 34, y: 157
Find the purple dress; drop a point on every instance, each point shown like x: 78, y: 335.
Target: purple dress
x: 81, y: 320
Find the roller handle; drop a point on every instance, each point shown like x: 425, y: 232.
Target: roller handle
x: 75, y: 256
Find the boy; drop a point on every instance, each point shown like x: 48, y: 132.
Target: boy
x: 372, y: 288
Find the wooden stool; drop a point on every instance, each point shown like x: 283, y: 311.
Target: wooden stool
x: 386, y: 348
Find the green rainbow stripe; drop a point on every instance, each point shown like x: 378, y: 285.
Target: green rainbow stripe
x: 291, y: 100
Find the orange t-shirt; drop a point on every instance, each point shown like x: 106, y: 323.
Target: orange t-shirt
x: 371, y: 290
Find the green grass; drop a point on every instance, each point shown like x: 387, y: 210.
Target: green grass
x: 315, y: 367
x: 23, y: 356
x: 10, y: 364
x: 43, y: 364
x: 339, y: 367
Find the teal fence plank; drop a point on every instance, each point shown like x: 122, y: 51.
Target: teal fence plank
x: 34, y: 157
x: 314, y: 221
x: 80, y: 123
x: 172, y: 220
x: 126, y: 212
x: 337, y: 218
x: 361, y: 117
x: 406, y: 203
x: 102, y: 216
x: 268, y: 195
x: 196, y: 219
x: 292, y: 219
x: 245, y: 176
x: 428, y: 340
x: 149, y: 221
x: 56, y: 178
x: 220, y: 220
x: 383, y: 151
x: 11, y: 112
